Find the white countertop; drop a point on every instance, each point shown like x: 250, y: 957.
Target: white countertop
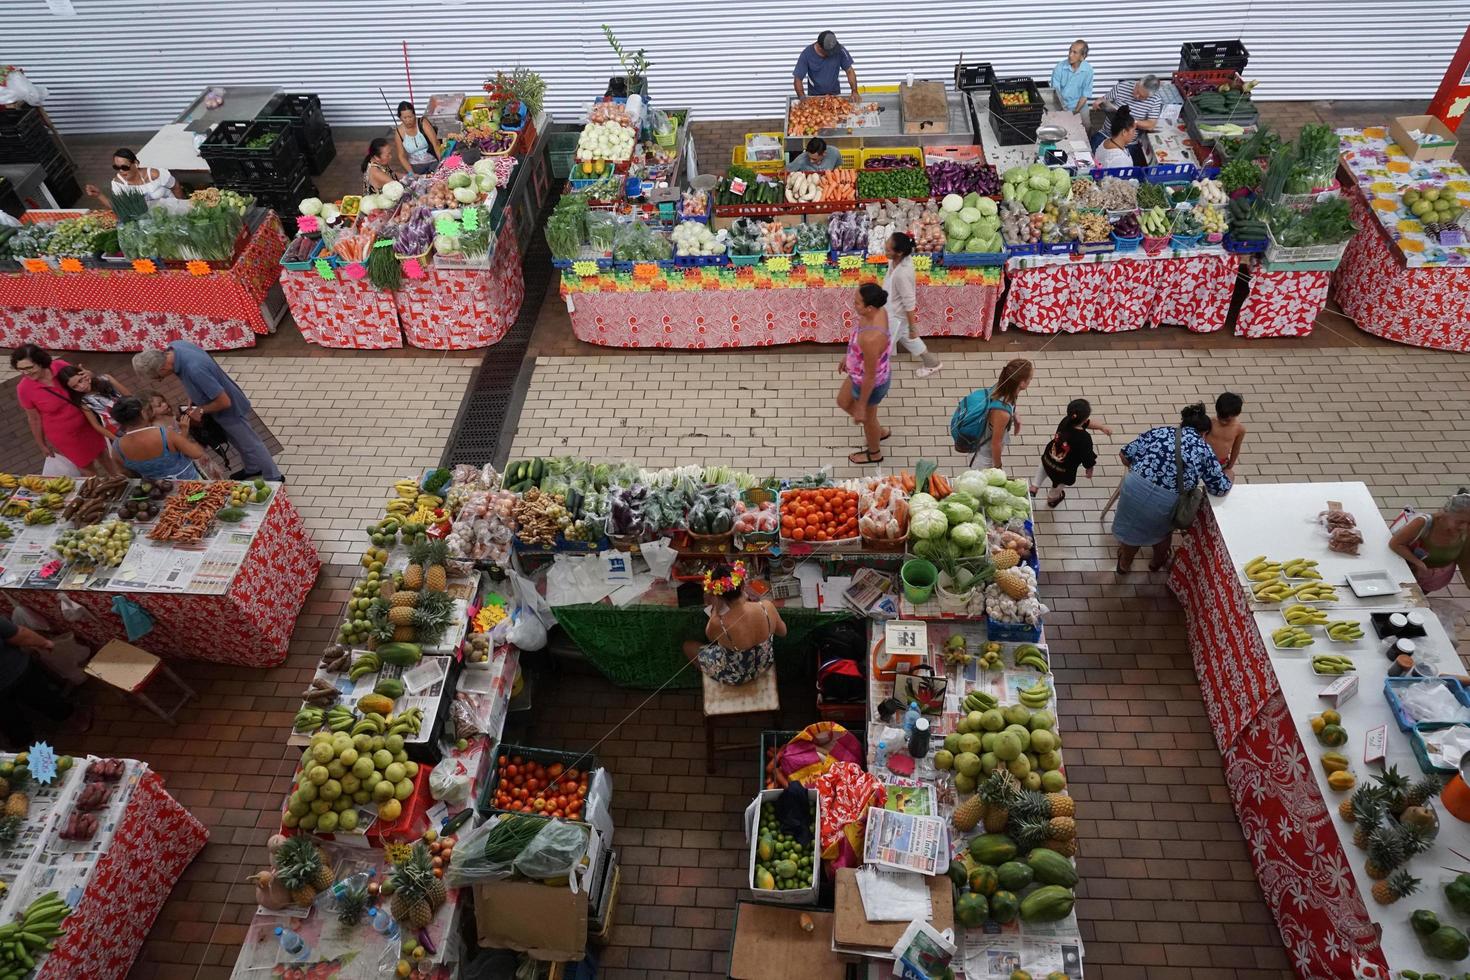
x: 174, y: 148
x: 1279, y: 520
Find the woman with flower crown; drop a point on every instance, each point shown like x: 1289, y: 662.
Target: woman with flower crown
x: 741, y: 632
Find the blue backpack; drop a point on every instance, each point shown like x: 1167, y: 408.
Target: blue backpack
x: 971, y: 420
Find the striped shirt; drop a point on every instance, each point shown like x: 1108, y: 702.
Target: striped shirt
x: 1124, y: 93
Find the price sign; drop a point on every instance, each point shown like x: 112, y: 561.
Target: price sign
x: 738, y: 186
x: 445, y: 225
x: 471, y: 219
x: 324, y: 269
x: 906, y: 637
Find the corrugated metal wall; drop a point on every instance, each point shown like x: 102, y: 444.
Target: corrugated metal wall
x: 136, y: 64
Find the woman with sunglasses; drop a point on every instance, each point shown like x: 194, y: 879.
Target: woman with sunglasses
x: 154, y: 183
x: 58, y: 424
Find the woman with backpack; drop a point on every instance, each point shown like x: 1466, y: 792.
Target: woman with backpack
x: 1069, y: 450
x: 983, y: 422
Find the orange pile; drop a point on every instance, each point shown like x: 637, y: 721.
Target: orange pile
x: 827, y: 514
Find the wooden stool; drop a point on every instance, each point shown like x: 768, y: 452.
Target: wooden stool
x: 130, y: 669
x: 755, y: 697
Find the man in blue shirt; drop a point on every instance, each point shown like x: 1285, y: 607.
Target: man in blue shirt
x: 818, y: 156
x: 817, y: 68
x: 1072, y: 79
x: 215, y: 393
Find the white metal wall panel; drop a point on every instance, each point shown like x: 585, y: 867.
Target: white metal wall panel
x: 136, y: 64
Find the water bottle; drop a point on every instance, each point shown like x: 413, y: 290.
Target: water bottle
x: 881, y: 758
x: 330, y: 898
x: 291, y: 941
x: 383, y: 923
x: 909, y: 717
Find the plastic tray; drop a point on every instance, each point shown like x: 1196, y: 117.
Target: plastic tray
x: 1011, y: 632
x: 1170, y: 173
x: 585, y: 761
x: 959, y: 260
x: 691, y: 261
x: 1421, y: 752
x: 1392, y: 685
x: 1122, y: 173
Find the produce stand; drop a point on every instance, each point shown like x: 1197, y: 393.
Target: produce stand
x: 1261, y: 701
x: 1282, y: 304
x: 882, y: 124
x: 234, y: 598
x: 1396, y: 280
x: 122, y: 309
x: 115, y: 882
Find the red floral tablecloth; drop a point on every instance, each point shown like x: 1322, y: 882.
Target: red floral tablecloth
x: 1425, y: 307
x: 458, y: 309
x: 1282, y: 304
x: 1122, y: 294
x: 342, y: 312
x: 154, y: 842
x: 249, y: 625
x: 762, y: 317
x: 122, y: 310
x: 1299, y: 858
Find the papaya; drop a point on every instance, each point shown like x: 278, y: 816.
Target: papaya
x: 971, y: 909
x: 958, y: 873
x: 369, y: 703
x: 764, y: 880
x: 992, y: 849
x: 389, y: 687
x: 400, y: 654
x: 1015, y: 875
x: 1019, y: 975
x: 1332, y: 736
x: 1051, y: 868
x: 765, y: 849
x: 983, y: 880
x: 1004, y: 906
x: 1048, y: 903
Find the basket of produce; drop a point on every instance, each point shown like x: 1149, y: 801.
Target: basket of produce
x: 890, y: 157
x: 544, y: 774
x: 1113, y: 194
x: 757, y: 521
x: 910, y: 183
x: 819, y: 518
x: 301, y: 254
x: 811, y: 243
x: 1016, y: 98
x: 1094, y: 232
x: 695, y: 206
x: 1202, y: 56
x: 1189, y: 83
x: 963, y: 178
x: 972, y: 226
x: 1318, y: 234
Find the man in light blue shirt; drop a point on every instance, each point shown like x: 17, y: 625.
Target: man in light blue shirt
x: 818, y: 156
x: 816, y: 70
x: 1072, y: 79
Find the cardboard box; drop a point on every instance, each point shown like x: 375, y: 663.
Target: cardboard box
x: 769, y: 943
x: 1443, y: 150
x: 851, y: 929
x: 547, y: 921
x: 793, y: 896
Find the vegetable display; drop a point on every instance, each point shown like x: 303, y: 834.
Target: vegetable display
x: 1155, y: 222
x: 848, y: 231
x: 1127, y: 226
x: 1109, y: 194
x: 816, y: 113
x: 910, y: 182
x: 971, y: 224
x: 1031, y: 186
x: 1241, y: 173
x: 1152, y: 196
x: 812, y: 238
x: 610, y: 140
x: 1019, y: 226
x: 1328, y: 222
x: 951, y: 177
x: 695, y: 238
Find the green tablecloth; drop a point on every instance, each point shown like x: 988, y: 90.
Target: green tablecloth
x: 642, y: 646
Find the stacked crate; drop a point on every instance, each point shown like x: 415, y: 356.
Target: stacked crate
x: 27, y: 136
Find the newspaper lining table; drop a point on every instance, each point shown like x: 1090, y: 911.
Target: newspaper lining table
x: 1259, y: 704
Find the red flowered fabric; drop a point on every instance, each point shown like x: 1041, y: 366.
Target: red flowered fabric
x: 1282, y: 304
x: 1122, y: 294
x: 458, y: 309
x: 847, y: 790
x: 1298, y: 855
x: 122, y: 310
x: 249, y: 625
x: 342, y: 312
x: 699, y: 319
x: 154, y: 842
x: 1427, y: 307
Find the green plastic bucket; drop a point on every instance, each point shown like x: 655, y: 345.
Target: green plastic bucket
x: 919, y: 577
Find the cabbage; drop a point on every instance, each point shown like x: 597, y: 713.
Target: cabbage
x: 311, y: 205
x: 1035, y: 201
x: 1041, y: 182
x: 1039, y: 170
x: 485, y: 166
x: 369, y: 203
x: 330, y: 213
x: 1020, y: 506
x: 1061, y: 182
x: 927, y: 524
x: 465, y: 195
x: 922, y: 501
x: 460, y: 179
x: 969, y: 215
x: 1017, y: 488
x: 956, y: 227
x: 956, y: 513
x: 999, y: 513
x: 485, y: 183
x: 446, y: 244
x: 985, y: 205
x: 970, y: 482
x: 973, y: 199
x: 966, y: 535
x: 951, y: 202
x: 995, y: 495
x: 1015, y: 175
x: 1009, y: 192
x: 994, y: 477
x: 961, y: 497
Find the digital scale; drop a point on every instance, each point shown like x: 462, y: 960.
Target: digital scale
x: 1047, y: 152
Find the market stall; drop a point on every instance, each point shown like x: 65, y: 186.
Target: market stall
x: 1404, y: 278
x: 220, y: 577
x: 104, y: 843
x: 1308, y: 708
x: 77, y: 290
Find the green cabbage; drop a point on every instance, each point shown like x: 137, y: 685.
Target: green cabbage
x: 956, y: 227
x: 1035, y: 200
x: 971, y: 482
x: 922, y: 501
x: 1020, y: 505
x: 994, y: 477
x: 1015, y: 175
x: 951, y: 203
x: 962, y: 497
x: 956, y: 513
x: 1040, y: 182
x: 985, y: 205
x: 1039, y: 170
x: 966, y: 535
x: 1017, y: 488
x: 995, y: 495
x: 969, y: 215
x: 927, y: 524
x: 998, y: 513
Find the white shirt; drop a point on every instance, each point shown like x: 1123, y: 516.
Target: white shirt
x: 1106, y: 156
x: 898, y: 282
x: 153, y: 191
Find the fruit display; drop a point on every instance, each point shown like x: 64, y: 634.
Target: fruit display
x: 93, y: 498
x: 1327, y: 726
x: 340, y: 771
x: 823, y: 514
x: 782, y: 861
x: 525, y: 785
x: 416, y: 888
x: 1291, y: 638
x: 31, y: 935
x: 1012, y: 738
x: 1344, y: 630
x: 99, y: 544
x: 1325, y: 663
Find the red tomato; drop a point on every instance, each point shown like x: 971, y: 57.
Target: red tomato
x: 512, y: 771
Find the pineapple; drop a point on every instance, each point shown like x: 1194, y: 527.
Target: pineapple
x: 17, y: 804
x: 1061, y: 828
x: 1028, y: 832
x: 9, y: 831
x: 998, y: 792
x: 401, y: 607
x: 436, y: 576
x: 1066, y: 848
x: 1061, y: 805
x: 1012, y: 584
x: 404, y: 634
x: 432, y: 616
x: 380, y: 627
x: 1424, y: 790
x: 968, y: 813
x: 1386, y: 851
x: 1394, y: 887
x: 302, y: 870
x: 417, y: 893
x: 1005, y: 558
x: 1395, y: 789
x: 1046, y: 815
x: 1368, y: 815
x: 413, y: 575
x: 1350, y: 807
x: 352, y: 905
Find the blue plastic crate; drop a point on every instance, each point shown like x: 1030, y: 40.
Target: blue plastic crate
x: 1185, y: 241
x: 1421, y: 751
x: 962, y: 260
x: 999, y: 632
x: 1122, y: 173
x: 690, y: 261
x: 1392, y: 685
x: 1170, y: 173
x: 1239, y: 247
x: 1025, y: 248
x: 305, y: 264
x: 1209, y: 173
x: 1057, y: 248
x: 1093, y: 248
x: 1126, y: 244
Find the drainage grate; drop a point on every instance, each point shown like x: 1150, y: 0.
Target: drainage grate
x: 492, y: 404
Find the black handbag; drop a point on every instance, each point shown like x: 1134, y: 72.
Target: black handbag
x: 1186, y: 508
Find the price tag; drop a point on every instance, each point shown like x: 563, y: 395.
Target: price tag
x: 906, y: 637
x: 413, y: 269
x: 36, y: 265
x: 324, y: 269
x: 308, y: 222
x: 197, y: 267
x: 445, y: 225
x: 71, y: 265
x: 42, y: 762
x: 144, y: 266
x: 470, y: 219
x: 737, y: 187
x: 195, y: 496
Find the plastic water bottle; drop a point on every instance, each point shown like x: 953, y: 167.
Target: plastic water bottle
x: 909, y: 717
x: 291, y: 941
x: 383, y: 923
x: 881, y: 758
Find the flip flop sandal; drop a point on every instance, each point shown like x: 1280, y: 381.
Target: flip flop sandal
x: 864, y: 457
x: 1054, y: 501
x: 886, y: 433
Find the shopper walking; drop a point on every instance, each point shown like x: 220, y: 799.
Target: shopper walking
x: 903, y: 327
x: 57, y: 423
x: 985, y: 418
x: 214, y: 394
x: 154, y: 452
x: 1163, y: 463
x: 1069, y: 450
x: 24, y: 685
x: 867, y: 368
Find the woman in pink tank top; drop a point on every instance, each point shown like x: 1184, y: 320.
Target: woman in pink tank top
x: 866, y: 367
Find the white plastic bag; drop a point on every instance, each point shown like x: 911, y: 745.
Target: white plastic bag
x: 450, y: 781
x: 527, y: 633
x: 59, y: 465
x: 17, y: 88
x: 660, y: 556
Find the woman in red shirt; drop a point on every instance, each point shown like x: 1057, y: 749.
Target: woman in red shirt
x: 59, y: 425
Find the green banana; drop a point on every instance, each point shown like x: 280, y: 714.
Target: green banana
x: 1344, y: 631
x: 1291, y: 637
x: 308, y: 719
x: 979, y: 701
x: 1331, y: 664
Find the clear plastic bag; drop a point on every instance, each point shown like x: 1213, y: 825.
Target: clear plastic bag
x: 554, y: 852
x: 601, y: 230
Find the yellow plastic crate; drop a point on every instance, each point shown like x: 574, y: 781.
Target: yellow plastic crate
x: 851, y: 159
x: 878, y: 89
x: 913, y: 152
x: 760, y: 166
x: 473, y: 102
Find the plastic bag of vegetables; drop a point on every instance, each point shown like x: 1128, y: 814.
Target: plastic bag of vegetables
x: 601, y: 230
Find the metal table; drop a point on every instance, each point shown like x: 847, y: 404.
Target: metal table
x: 241, y: 102
x: 29, y: 181
x: 1005, y: 157
x: 889, y: 131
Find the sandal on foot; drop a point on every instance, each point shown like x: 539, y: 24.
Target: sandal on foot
x: 865, y: 456
x: 1052, y: 501
x: 883, y: 436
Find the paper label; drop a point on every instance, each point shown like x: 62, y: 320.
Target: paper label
x: 737, y: 187
x: 906, y: 637
x: 1375, y: 744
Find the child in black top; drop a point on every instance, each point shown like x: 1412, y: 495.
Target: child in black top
x: 1069, y: 450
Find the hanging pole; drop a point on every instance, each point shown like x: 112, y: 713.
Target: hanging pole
x: 408, y: 76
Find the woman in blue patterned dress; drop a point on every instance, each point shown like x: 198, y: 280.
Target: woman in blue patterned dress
x: 1152, y: 487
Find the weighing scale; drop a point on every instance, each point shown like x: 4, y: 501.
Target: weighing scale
x: 1047, y: 152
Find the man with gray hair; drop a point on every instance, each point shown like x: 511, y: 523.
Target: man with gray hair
x: 1141, y: 96
x: 213, y: 392
x: 1071, y: 79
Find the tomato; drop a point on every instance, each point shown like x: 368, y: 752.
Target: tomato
x: 558, y: 814
x: 515, y: 759
x: 516, y: 805
x: 502, y: 761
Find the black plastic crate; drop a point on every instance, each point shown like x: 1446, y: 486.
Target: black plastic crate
x: 1034, y: 106
x: 1213, y: 55
x: 320, y: 155
x: 583, y: 761
x: 275, y: 160
x: 16, y: 120
x: 305, y: 111
x: 64, y: 187
x: 221, y: 150
x: 1014, y: 132
x: 10, y: 201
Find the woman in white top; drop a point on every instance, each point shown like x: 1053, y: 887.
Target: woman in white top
x: 898, y: 283
x: 418, y: 144
x: 154, y: 183
x: 1113, y: 151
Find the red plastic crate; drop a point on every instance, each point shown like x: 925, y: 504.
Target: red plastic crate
x: 410, y: 825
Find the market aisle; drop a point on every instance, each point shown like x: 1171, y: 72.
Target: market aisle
x: 1168, y: 889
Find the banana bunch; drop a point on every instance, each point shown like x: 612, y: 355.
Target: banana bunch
x: 1315, y: 592
x: 1299, y: 615
x: 1291, y: 637
x: 40, y: 515
x: 1344, y: 630
x: 398, y: 507
x: 31, y: 935
x: 371, y: 723
x: 309, y: 719
x: 340, y: 718
x: 1262, y: 569
x: 1031, y: 655
x: 407, y: 490
x: 8, y: 482
x: 58, y: 484
x: 1301, y: 568
x: 366, y: 664
x: 1270, y: 590
x: 33, y: 483
x: 406, y: 722
x: 1331, y: 663
x: 51, y: 501
x: 15, y: 508
x: 979, y: 701
x: 1036, y: 696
